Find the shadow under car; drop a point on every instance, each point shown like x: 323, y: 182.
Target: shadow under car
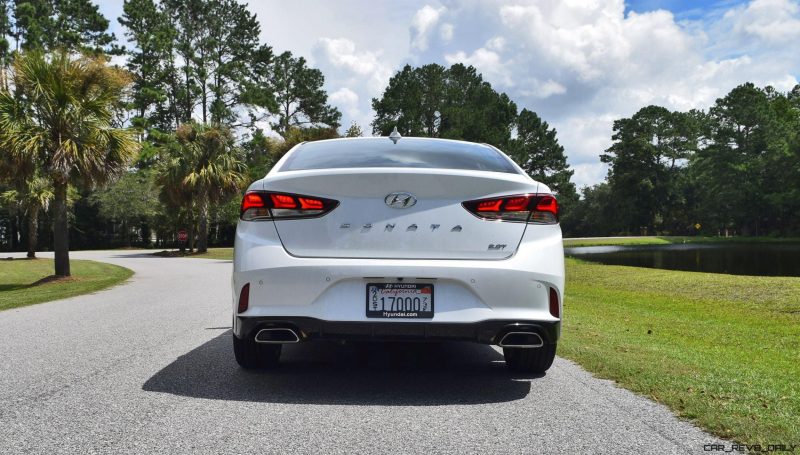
x: 320, y: 372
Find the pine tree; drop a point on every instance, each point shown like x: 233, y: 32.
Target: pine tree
x: 204, y: 60
x: 79, y: 25
x: 354, y: 131
x: 453, y: 103
x: 187, y: 17
x: 149, y: 28
x: 299, y: 94
x: 74, y: 25
x: 233, y: 57
x: 5, y: 45
x: 412, y: 102
x: 33, y: 24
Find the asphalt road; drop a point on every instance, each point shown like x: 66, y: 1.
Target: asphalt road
x: 147, y: 367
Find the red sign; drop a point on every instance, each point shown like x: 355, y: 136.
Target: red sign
x: 182, y: 235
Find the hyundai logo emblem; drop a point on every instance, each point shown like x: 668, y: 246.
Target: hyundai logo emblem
x: 400, y: 200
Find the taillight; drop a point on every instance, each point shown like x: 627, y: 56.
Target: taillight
x: 262, y: 205
x: 531, y: 208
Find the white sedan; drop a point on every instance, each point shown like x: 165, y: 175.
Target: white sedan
x: 398, y: 239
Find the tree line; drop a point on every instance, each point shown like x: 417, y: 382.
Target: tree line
x: 93, y: 155
x: 733, y: 169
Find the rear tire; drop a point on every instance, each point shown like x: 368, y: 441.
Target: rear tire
x: 256, y: 356
x: 530, y: 360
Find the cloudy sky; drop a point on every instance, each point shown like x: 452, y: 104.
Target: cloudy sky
x: 580, y: 64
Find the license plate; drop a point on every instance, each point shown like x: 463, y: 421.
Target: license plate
x: 399, y: 300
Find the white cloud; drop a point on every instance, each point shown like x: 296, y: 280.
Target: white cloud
x: 421, y: 25
x: 446, y: 32
x: 580, y: 64
x: 367, y: 65
x: 344, y: 97
x: 586, y: 174
x: 496, y: 44
x: 543, y: 89
x: 353, y: 77
x: 348, y: 103
x: 768, y: 20
x: 487, y: 62
x: 377, y: 30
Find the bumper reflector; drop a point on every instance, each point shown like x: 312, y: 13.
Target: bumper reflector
x: 554, y: 309
x: 244, y: 298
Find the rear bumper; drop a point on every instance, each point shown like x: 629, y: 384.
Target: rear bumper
x: 334, y: 289
x: 325, y: 298
x: 487, y: 332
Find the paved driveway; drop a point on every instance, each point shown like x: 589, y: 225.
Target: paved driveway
x: 147, y: 367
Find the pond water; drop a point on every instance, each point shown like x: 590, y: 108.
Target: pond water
x: 763, y: 259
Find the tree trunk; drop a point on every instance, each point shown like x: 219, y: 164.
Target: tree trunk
x: 127, y: 230
x: 33, y: 231
x: 187, y: 70
x: 204, y: 91
x: 12, y: 240
x: 191, y: 234
x: 202, y: 241
x: 61, y: 229
x: 216, y: 233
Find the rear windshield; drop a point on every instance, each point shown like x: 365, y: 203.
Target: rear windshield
x: 408, y: 152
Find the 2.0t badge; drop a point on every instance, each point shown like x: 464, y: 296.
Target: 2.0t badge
x: 400, y: 200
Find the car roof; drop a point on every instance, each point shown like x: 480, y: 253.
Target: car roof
x: 409, y: 141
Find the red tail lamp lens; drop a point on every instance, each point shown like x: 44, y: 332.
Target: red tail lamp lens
x: 516, y: 204
x: 252, y: 200
x: 310, y: 204
x: 554, y: 308
x: 547, y: 204
x: 282, y: 201
x: 490, y: 206
x: 244, y: 298
x: 257, y: 205
x: 531, y: 208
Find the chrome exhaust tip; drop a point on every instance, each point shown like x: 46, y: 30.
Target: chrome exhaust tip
x: 521, y: 340
x: 277, y: 336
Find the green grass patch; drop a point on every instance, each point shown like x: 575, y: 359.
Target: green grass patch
x: 225, y: 254
x: 28, y: 281
x: 608, y: 241
x: 666, y: 240
x: 720, y: 350
x: 216, y: 253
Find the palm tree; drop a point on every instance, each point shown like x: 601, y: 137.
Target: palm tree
x: 34, y: 198
x: 202, y: 166
x: 171, y: 171
x: 60, y: 116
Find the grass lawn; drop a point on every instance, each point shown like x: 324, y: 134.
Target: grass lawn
x: 721, y: 350
x: 20, y: 283
x: 664, y: 240
x: 225, y: 254
x: 216, y: 253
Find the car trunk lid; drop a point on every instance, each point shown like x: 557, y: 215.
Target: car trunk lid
x: 400, y: 214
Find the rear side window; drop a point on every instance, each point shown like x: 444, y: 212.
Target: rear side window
x: 408, y: 153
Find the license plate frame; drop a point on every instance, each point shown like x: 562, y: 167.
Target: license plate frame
x: 404, y: 308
